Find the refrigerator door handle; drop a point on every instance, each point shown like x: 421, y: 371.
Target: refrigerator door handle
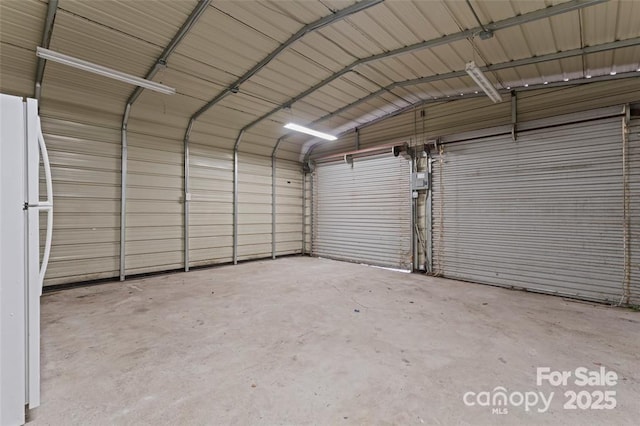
x: 47, y: 205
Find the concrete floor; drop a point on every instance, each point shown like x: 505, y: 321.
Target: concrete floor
x: 313, y: 341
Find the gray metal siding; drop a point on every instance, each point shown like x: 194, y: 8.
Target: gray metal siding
x: 363, y: 213
x: 634, y: 197
x: 543, y: 213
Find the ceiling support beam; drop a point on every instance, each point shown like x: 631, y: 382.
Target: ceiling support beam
x: 495, y: 26
x: 314, y: 26
x: 52, y: 8
x: 494, y: 67
x: 620, y: 76
x: 160, y: 63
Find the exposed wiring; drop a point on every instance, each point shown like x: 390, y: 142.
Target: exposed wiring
x: 439, y: 272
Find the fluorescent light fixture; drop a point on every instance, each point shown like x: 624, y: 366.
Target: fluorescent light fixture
x: 613, y: 73
x: 308, y: 131
x: 60, y: 58
x: 481, y: 80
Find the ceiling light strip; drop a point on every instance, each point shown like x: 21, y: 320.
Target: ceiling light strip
x: 481, y: 80
x: 80, y: 64
x: 308, y: 131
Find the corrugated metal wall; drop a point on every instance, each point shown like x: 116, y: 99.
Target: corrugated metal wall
x: 362, y: 212
x: 543, y: 103
x: 154, y: 223
x: 634, y: 204
x: 85, y: 166
x: 437, y: 120
x: 86, y: 169
x: 20, y: 32
x: 345, y: 143
x: 81, y: 124
x: 211, y: 210
x: 288, y: 207
x: 461, y: 115
x: 254, y: 206
x: 543, y: 213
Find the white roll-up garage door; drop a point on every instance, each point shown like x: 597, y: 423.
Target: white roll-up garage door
x: 362, y: 211
x: 543, y: 213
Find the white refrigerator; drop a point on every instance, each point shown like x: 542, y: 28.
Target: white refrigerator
x: 22, y: 265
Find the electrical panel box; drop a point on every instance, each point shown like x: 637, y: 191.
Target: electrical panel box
x: 420, y: 181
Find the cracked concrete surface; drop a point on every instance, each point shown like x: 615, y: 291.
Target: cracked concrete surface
x: 313, y: 341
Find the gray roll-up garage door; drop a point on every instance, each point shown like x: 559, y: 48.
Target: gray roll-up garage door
x: 544, y: 213
x: 362, y: 212
x: 634, y: 207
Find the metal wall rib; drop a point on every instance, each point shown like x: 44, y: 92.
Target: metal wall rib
x: 542, y: 213
x: 363, y: 213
